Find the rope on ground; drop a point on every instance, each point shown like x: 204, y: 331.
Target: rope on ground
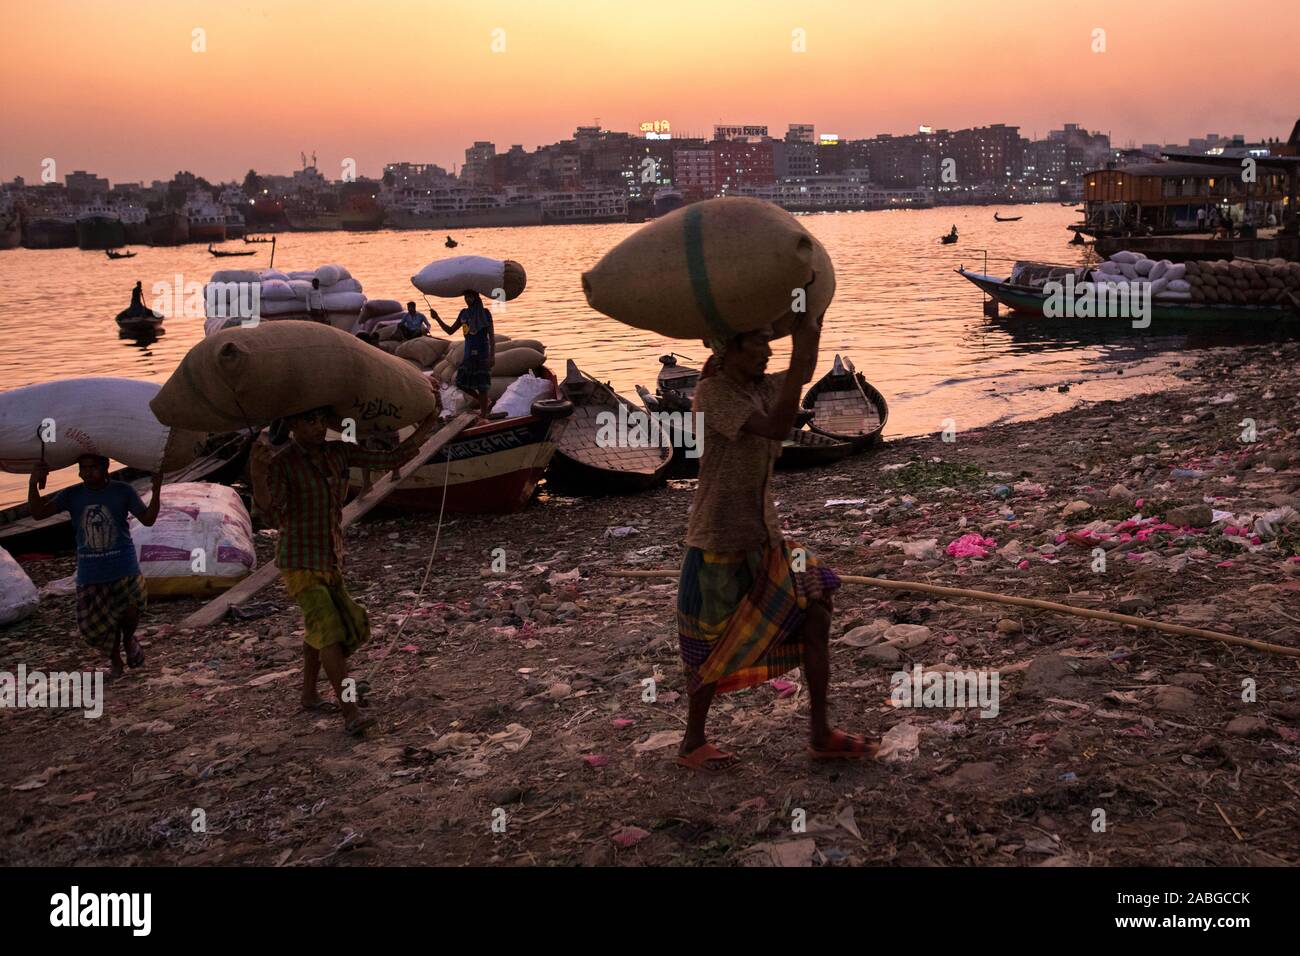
x: 1029, y: 602
x: 446, y: 476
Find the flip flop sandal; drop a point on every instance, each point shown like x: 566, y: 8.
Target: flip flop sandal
x: 844, y: 746
x: 707, y: 758
x: 357, y: 726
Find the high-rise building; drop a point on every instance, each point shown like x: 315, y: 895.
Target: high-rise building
x: 801, y: 133
x: 744, y: 134
x: 478, y: 163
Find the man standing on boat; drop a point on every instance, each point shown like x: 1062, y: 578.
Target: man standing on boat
x: 110, y: 588
x: 750, y: 604
x: 474, y: 377
x: 316, y: 303
x: 302, y: 488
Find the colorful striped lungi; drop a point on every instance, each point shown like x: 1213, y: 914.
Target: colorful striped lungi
x: 101, y: 607
x: 739, y: 614
x: 329, y: 614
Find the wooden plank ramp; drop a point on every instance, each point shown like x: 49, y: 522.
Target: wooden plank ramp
x: 216, y: 609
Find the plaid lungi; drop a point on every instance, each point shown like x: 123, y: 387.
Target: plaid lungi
x: 100, y: 608
x: 474, y: 378
x: 329, y: 614
x: 739, y: 614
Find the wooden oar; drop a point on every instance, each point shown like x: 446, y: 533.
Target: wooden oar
x: 1028, y: 602
x: 215, y: 610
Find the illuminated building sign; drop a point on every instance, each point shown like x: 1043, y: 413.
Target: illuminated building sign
x: 829, y: 139
x: 657, y: 129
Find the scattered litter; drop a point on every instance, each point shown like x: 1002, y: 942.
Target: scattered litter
x: 971, y: 546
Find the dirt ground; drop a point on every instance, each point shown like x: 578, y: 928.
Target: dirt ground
x: 512, y: 721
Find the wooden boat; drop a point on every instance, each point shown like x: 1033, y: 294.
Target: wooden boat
x: 223, y: 463
x: 1007, y: 218
x: 1029, y: 300
x: 119, y: 255
x: 451, y: 243
x: 251, y: 239
x: 586, y: 464
x: 846, y: 407
x: 674, y: 392
x: 491, y: 468
x: 141, y: 320
x: 227, y: 255
x: 808, y: 449
x: 948, y: 240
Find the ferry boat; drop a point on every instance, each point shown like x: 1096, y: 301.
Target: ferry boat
x: 171, y: 227
x: 99, y: 227
x: 11, y: 229
x: 665, y: 201
x: 207, y: 220
x: 135, y: 223
x: 50, y: 227
x: 584, y: 206
x: 459, y: 206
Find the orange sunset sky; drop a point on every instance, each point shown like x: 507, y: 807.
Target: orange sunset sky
x: 113, y: 86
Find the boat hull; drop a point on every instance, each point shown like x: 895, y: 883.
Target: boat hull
x: 520, y: 214
x: 168, y: 229
x: 207, y: 232
x: 100, y: 232
x: 586, y: 465
x: 50, y: 234
x: 1029, y: 301
x: 488, y: 469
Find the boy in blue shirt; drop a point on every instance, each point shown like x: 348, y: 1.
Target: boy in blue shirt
x: 413, y: 324
x: 110, y: 587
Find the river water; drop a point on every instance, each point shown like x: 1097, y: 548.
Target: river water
x: 914, y: 327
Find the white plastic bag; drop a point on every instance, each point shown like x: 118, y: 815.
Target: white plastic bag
x: 523, y: 391
x: 201, y: 543
x: 18, y: 596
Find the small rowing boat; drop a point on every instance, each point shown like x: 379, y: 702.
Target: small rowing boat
x: 808, y: 449
x: 846, y: 407
x: 230, y: 255
x: 1007, y: 218
x: 592, y: 456
x: 949, y: 239
x: 119, y: 255
x: 675, y: 393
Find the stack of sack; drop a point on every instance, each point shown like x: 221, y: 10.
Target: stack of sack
x: 1241, y: 282
x: 284, y: 295
x: 201, y: 544
x: 515, y: 357
x: 1168, y: 280
x: 713, y: 270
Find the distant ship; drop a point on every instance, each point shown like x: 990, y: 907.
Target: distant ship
x: 584, y: 206
x: 135, y: 223
x: 235, y: 224
x: 666, y: 200
x: 206, y: 218
x: 99, y: 226
x: 11, y: 229
x: 50, y: 228
x: 171, y: 227
x: 461, y: 207
x: 361, y: 211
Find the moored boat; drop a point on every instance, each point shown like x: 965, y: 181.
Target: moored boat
x: 808, y: 449
x: 207, y: 220
x: 50, y: 230
x: 170, y: 227
x: 11, y: 230
x: 846, y: 407
x: 588, y: 463
x: 491, y: 468
x: 1031, y: 299
x: 675, y: 393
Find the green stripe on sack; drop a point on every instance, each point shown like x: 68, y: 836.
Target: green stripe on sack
x: 699, y: 274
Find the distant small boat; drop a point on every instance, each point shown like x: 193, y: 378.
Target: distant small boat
x: 227, y: 255
x: 1007, y: 218
x: 451, y: 243
x: 948, y: 239
x: 119, y: 255
x: 587, y: 465
x: 674, y: 392
x: 846, y: 407
x: 251, y: 239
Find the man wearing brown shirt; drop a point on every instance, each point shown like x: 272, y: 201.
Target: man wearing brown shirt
x: 750, y: 607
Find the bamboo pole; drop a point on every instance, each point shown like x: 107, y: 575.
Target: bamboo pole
x: 215, y: 610
x: 1035, y: 603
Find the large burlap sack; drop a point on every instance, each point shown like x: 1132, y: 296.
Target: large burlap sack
x: 374, y: 307
x: 456, y: 354
x: 277, y: 290
x: 331, y: 274
x: 453, y: 277
x: 516, y: 362
x: 390, y: 346
x: 425, y: 351
x: 276, y: 308
x: 101, y: 416
x: 713, y: 269
x: 18, y: 595
x: 251, y: 376
x: 344, y: 302
x: 202, y: 542
x: 236, y: 275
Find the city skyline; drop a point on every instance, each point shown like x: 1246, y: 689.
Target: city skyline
x: 424, y: 83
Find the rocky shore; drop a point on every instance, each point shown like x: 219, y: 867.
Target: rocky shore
x: 514, y: 719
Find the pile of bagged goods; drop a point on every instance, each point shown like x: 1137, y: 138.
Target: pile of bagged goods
x: 18, y: 595
x: 1168, y: 280
x: 1240, y: 282
x: 519, y: 362
x: 714, y: 269
x: 284, y: 295
x: 1222, y: 281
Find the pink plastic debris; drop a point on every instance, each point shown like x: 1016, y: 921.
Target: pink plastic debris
x: 595, y: 760
x: 1224, y: 564
x: 622, y: 722
x: 1024, y: 563
x: 783, y: 688
x: 971, y: 546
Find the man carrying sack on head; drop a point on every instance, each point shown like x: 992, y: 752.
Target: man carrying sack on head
x: 302, y: 487
x: 110, y: 588
x: 751, y: 605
